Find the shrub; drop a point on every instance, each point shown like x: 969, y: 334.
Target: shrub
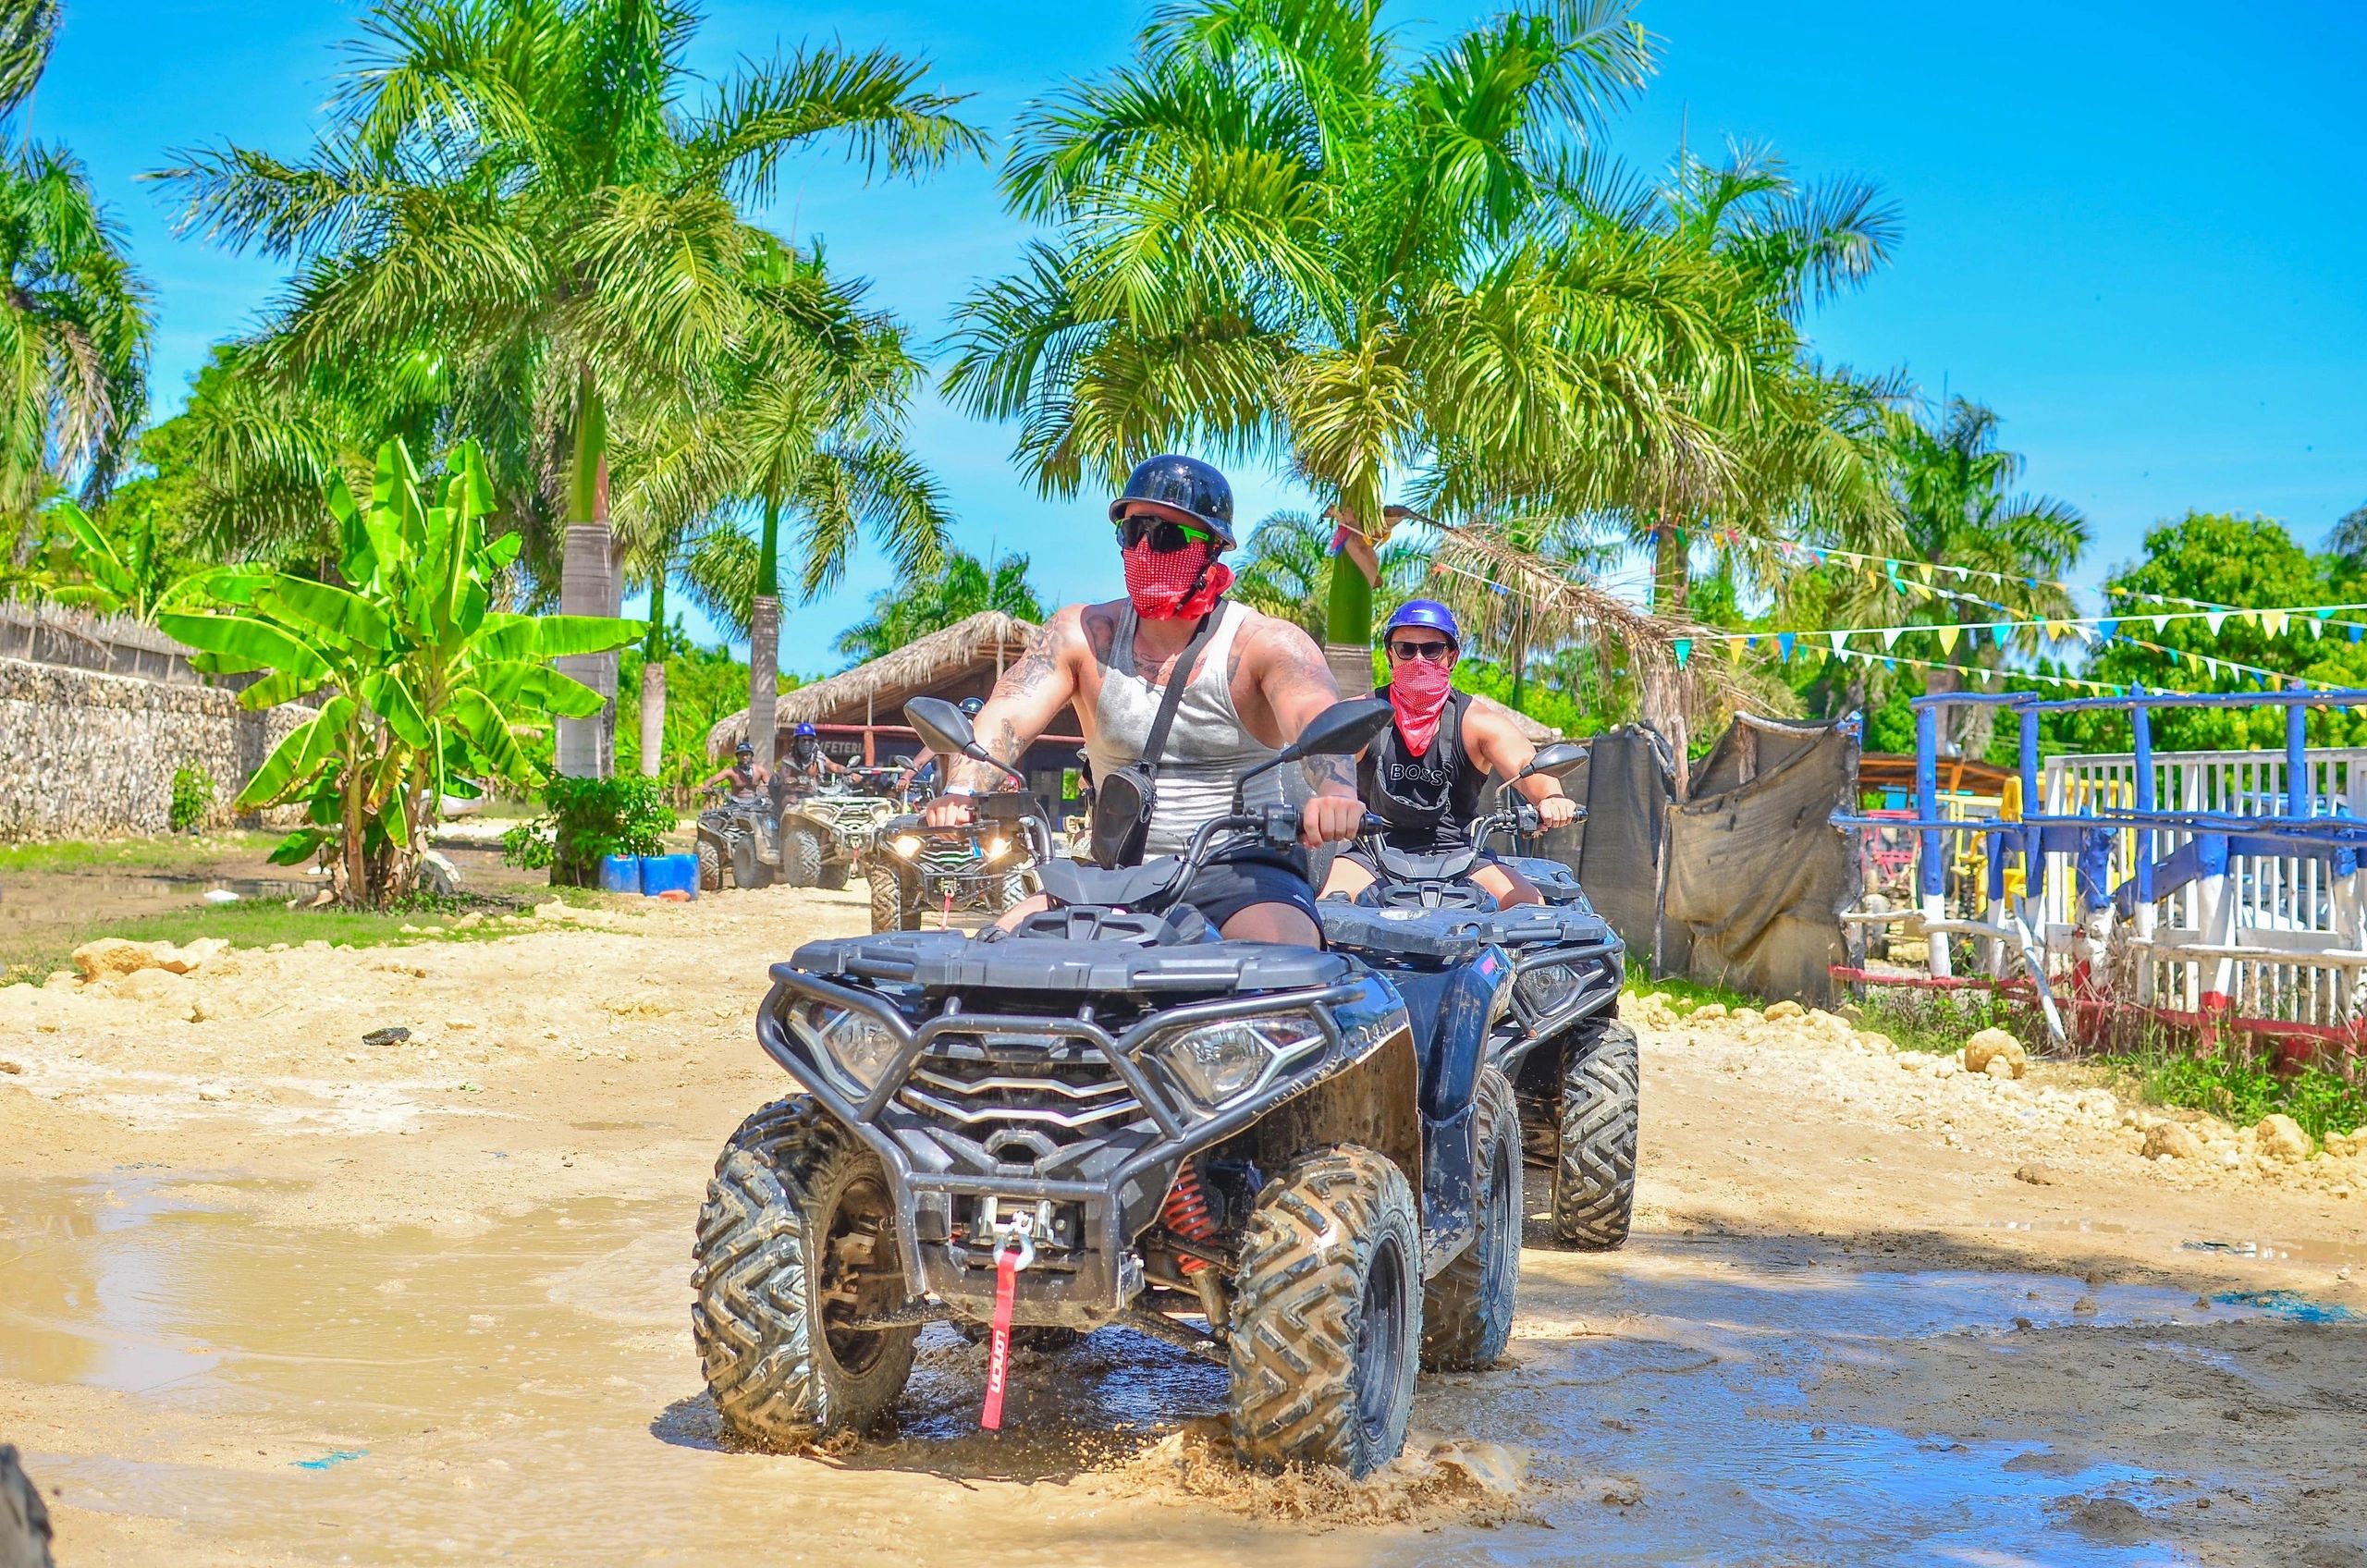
x: 593, y: 818
x: 193, y: 797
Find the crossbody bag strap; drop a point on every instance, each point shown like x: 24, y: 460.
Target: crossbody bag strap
x: 1171, y: 696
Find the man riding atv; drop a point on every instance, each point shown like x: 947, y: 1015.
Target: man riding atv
x: 1425, y: 775
x: 1249, y: 684
x: 742, y: 778
x: 807, y: 764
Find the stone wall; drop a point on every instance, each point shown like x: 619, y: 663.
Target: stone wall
x: 91, y: 755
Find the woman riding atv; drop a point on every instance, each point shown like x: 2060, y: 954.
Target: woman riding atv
x: 1423, y: 775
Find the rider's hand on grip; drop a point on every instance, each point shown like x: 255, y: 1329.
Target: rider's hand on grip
x: 1327, y: 818
x: 949, y: 811
x: 1559, y: 810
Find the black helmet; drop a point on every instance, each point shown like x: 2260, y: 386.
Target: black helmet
x: 744, y: 749
x: 1186, y: 484
x: 971, y: 706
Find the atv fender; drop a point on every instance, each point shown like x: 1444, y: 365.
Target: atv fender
x: 1453, y: 1012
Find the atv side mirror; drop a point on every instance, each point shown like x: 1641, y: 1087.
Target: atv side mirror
x: 1341, y: 730
x: 1556, y: 759
x: 945, y: 730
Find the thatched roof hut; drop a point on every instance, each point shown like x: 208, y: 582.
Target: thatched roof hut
x: 965, y: 659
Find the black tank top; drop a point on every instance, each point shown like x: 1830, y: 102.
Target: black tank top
x: 1429, y: 801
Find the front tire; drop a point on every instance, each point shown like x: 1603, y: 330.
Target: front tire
x: 798, y: 1237
x: 1594, y: 1172
x: 1467, y: 1306
x: 832, y: 874
x: 895, y: 902
x: 1328, y: 1315
x: 710, y: 867
x: 800, y: 856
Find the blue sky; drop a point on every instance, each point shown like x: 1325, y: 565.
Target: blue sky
x: 2133, y: 230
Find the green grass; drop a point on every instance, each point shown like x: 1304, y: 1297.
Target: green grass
x: 1687, y: 995
x: 261, y: 923
x: 180, y: 851
x: 2240, y: 1087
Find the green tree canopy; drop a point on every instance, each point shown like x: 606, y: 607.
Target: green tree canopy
x: 899, y: 616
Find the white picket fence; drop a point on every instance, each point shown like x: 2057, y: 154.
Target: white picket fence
x: 2280, y: 935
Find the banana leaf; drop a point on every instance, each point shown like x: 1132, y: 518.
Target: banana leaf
x: 241, y: 642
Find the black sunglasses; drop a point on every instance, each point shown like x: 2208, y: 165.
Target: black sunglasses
x: 1166, y: 534
x: 1436, y: 653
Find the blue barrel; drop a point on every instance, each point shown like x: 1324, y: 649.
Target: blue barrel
x: 669, y: 874
x: 621, y: 874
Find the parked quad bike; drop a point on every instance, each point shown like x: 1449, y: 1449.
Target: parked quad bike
x: 1129, y: 1119
x: 915, y: 870
x: 1573, y: 1064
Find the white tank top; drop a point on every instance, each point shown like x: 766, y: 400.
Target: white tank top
x: 1208, y: 748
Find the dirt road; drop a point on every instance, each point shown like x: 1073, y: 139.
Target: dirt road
x: 272, y: 1295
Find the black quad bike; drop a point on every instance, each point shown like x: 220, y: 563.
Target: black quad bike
x: 1264, y: 1154
x: 1573, y: 1064
x: 913, y: 869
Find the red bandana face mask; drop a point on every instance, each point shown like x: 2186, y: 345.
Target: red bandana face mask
x: 1173, y: 586
x: 1417, y: 690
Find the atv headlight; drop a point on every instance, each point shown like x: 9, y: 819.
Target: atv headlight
x: 905, y: 844
x: 858, y: 1045
x: 996, y: 846
x: 1217, y: 1063
x: 1548, y: 988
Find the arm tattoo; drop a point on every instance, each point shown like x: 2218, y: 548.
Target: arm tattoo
x: 1038, y: 663
x: 1330, y: 776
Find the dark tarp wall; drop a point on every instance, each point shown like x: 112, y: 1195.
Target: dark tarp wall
x: 1616, y: 851
x: 1754, y: 874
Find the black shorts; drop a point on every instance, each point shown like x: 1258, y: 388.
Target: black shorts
x: 1224, y: 887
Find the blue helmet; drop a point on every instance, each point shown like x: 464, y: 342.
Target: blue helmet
x: 1427, y: 613
x: 802, y: 729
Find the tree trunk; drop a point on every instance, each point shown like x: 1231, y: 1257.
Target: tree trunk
x: 652, y: 716
x: 763, y: 639
x: 1664, y: 695
x: 589, y: 584
x: 764, y: 678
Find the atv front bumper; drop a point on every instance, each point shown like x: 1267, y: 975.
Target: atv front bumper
x: 976, y: 1117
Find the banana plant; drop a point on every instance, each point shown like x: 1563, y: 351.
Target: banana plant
x: 420, y: 681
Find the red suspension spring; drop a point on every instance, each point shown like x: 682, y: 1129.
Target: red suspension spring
x: 1186, y: 1213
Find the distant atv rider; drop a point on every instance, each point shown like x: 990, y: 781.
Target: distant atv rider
x: 807, y: 762
x: 742, y: 776
x: 1425, y: 775
x: 1254, y: 686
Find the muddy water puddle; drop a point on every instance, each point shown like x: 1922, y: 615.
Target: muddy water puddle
x: 529, y: 1393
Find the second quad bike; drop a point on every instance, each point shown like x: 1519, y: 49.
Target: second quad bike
x: 1574, y: 1066
x: 913, y: 869
x: 1266, y: 1155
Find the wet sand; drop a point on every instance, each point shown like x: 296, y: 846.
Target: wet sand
x: 269, y: 1295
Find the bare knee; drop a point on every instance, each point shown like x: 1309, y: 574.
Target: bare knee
x: 1272, y: 923
x: 1509, y: 887
x: 1345, y: 880
x: 1033, y: 903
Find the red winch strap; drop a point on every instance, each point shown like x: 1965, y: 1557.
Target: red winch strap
x: 999, y: 1346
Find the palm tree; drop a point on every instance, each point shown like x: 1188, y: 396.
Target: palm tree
x: 2348, y: 539
x: 522, y: 186
x: 966, y: 587
x: 804, y: 425
x: 1276, y: 230
x: 1283, y: 572
x: 1958, y: 509
x: 74, y: 316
